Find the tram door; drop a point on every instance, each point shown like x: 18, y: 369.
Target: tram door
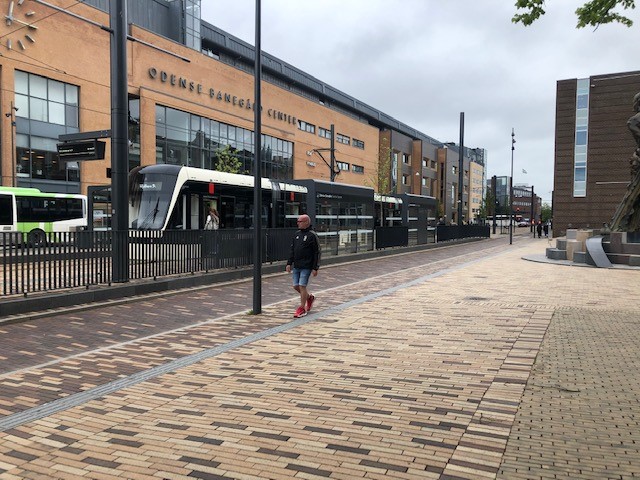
x: 194, y: 223
x: 207, y: 202
x: 227, y: 212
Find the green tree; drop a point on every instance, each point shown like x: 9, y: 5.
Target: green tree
x: 593, y: 13
x: 381, y: 180
x: 546, y: 212
x: 488, y: 206
x: 227, y: 160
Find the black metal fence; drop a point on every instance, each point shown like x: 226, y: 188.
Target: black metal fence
x: 455, y: 232
x: 84, y: 258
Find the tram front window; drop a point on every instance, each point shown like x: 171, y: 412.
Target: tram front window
x: 150, y: 198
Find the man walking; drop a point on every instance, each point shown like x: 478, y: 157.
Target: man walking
x: 304, y: 261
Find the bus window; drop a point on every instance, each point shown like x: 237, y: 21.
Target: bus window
x: 6, y: 210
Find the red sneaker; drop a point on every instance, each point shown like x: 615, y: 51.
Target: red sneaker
x: 300, y: 312
x: 310, y: 300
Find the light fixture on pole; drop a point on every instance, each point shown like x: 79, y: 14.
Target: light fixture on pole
x: 11, y: 115
x: 513, y: 147
x: 332, y: 165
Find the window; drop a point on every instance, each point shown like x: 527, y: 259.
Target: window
x: 405, y: 179
x: 358, y: 143
x: 6, y: 210
x: 357, y: 168
x: 343, y: 139
x: 343, y: 166
x: 424, y: 181
x: 185, y: 139
x: 192, y: 24
x: 306, y: 127
x: 581, y: 138
x: 324, y: 133
x: 433, y: 164
x: 46, y: 100
x: 406, y: 159
x: 54, y: 107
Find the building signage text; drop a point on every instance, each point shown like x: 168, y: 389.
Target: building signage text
x: 184, y: 83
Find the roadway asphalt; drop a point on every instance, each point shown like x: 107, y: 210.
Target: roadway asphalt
x: 465, y: 361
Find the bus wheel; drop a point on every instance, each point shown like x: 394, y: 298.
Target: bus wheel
x: 37, y: 238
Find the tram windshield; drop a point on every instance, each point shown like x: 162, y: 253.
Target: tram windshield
x: 150, y: 197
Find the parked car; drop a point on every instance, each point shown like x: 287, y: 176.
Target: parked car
x: 523, y: 224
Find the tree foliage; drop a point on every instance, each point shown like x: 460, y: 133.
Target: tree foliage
x: 381, y: 180
x: 227, y: 160
x: 488, y: 206
x: 593, y: 13
x: 546, y: 212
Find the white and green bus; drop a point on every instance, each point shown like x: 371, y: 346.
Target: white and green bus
x: 32, y: 215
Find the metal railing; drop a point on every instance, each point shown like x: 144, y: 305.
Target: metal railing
x: 456, y: 232
x: 84, y: 258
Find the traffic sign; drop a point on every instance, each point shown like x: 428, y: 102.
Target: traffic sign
x: 91, y: 150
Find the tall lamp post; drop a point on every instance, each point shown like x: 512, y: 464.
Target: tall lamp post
x: 461, y: 169
x: 257, y: 164
x: 513, y: 147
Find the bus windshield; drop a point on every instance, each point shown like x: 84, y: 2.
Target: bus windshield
x: 150, y: 197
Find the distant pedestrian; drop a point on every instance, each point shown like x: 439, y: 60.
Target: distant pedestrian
x: 304, y: 261
x: 539, y: 229
x: 545, y: 228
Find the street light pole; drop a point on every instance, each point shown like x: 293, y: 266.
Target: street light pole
x: 257, y: 174
x: 333, y: 153
x: 461, y: 169
x: 12, y: 116
x: 513, y: 147
x: 119, y: 140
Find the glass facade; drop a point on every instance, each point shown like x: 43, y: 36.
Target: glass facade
x: 186, y: 139
x: 581, y: 138
x: 46, y: 108
x: 192, y: 37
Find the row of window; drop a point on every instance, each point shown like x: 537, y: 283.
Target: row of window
x: 186, y: 139
x: 326, y: 133
x: 345, y: 167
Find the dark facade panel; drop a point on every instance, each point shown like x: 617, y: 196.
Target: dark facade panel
x: 213, y: 35
x: 151, y: 15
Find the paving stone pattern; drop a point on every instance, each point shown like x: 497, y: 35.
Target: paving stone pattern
x: 463, y: 375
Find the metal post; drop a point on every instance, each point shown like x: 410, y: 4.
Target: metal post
x: 494, y: 186
x: 119, y: 140
x: 257, y: 176
x: 333, y: 153
x: 13, y: 144
x: 513, y: 147
x: 461, y: 169
x: 533, y: 209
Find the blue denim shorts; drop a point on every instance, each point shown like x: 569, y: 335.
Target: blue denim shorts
x: 301, y: 276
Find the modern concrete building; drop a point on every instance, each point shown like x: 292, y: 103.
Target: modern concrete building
x: 190, y: 92
x: 593, y: 147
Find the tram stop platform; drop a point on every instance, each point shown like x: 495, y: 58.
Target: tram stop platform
x: 463, y: 362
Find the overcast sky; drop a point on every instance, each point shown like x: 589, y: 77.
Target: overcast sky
x: 425, y: 61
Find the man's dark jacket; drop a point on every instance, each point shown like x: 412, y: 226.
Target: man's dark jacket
x: 305, y: 250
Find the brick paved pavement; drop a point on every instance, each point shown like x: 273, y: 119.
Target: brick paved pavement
x: 449, y: 376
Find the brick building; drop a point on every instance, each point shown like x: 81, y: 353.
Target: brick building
x: 190, y: 91
x: 592, y: 148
